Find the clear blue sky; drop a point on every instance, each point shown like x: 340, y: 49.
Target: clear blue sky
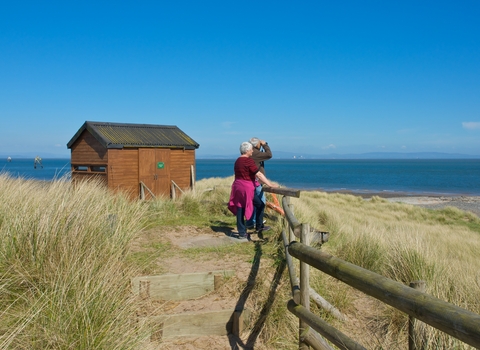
x: 316, y: 77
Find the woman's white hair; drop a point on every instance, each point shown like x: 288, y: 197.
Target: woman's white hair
x: 245, y: 147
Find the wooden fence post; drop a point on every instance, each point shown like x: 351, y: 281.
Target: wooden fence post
x: 418, y: 336
x: 304, y: 288
x: 291, y: 235
x: 192, y: 176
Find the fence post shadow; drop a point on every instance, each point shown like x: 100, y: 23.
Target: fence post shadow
x: 235, y: 341
x: 257, y: 327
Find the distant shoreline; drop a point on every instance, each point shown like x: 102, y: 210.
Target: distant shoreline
x: 468, y: 203
x: 394, y: 194
x: 389, y: 194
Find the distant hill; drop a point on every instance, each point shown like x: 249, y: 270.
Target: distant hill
x: 379, y: 155
x: 371, y: 155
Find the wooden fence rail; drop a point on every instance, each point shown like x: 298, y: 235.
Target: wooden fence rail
x: 451, y: 319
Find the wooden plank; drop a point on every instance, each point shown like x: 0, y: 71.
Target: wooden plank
x: 291, y: 192
x: 182, y: 162
x: 87, y: 150
x: 146, y: 169
x: 162, y: 175
x: 238, y: 323
x: 123, y: 171
x: 80, y: 176
x: 177, y: 286
x: 194, y: 324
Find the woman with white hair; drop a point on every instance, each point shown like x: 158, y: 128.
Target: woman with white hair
x: 241, y: 201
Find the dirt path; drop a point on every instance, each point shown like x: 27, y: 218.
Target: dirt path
x: 226, y: 297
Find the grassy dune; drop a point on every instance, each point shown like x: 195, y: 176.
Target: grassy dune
x: 405, y: 243
x: 64, y: 281
x: 66, y: 264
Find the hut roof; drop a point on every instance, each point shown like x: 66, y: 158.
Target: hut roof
x: 121, y: 135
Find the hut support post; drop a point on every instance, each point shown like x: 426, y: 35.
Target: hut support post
x: 142, y: 191
x: 192, y: 176
x: 174, y: 191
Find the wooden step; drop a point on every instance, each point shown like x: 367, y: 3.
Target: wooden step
x: 178, y: 286
x: 195, y: 324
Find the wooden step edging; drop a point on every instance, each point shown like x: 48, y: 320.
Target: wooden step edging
x: 194, y: 324
x: 178, y: 286
x: 190, y: 324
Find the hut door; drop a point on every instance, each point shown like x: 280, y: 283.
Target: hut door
x: 154, y: 170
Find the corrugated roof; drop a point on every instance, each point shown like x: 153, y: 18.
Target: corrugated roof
x: 121, y: 135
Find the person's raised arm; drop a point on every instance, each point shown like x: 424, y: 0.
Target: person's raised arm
x: 266, y: 154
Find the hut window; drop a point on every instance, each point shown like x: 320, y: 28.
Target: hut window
x: 81, y: 168
x: 99, y: 169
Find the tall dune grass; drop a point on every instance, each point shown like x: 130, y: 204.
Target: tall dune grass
x: 405, y: 243
x: 64, y: 282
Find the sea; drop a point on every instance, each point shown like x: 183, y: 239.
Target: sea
x: 400, y: 176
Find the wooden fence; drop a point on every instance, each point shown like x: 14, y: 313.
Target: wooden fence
x: 451, y: 319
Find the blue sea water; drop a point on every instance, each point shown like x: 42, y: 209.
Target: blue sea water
x: 413, y: 176
x: 21, y: 167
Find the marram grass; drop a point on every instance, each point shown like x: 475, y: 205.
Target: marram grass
x: 64, y: 281
x: 65, y: 265
x: 405, y: 243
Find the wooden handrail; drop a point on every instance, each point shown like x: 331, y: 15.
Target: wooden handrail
x: 322, y: 327
x: 446, y: 317
x: 451, y: 319
x: 285, y: 191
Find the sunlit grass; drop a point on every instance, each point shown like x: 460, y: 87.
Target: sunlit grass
x: 62, y: 266
x: 66, y: 260
x: 405, y: 243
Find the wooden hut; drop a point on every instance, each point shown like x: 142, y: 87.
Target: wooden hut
x: 142, y: 159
